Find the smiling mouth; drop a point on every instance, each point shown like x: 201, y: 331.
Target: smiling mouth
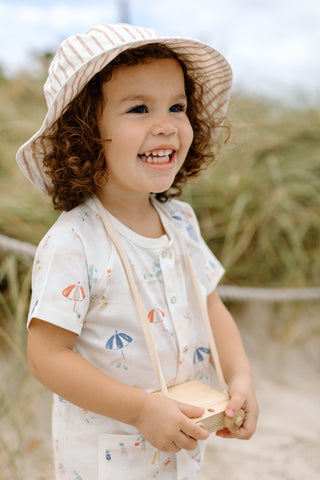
x: 161, y: 156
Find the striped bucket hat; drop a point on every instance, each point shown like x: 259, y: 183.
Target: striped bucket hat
x: 81, y: 56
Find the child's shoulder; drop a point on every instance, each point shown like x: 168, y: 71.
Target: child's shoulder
x: 76, y: 226
x: 76, y: 245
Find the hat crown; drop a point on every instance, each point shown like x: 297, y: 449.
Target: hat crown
x: 76, y: 51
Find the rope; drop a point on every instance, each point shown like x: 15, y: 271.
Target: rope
x: 8, y: 244
x: 242, y: 294
x: 226, y: 292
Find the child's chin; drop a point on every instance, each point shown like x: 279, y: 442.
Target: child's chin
x: 162, y: 189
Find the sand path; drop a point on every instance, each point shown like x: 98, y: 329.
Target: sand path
x: 286, y: 445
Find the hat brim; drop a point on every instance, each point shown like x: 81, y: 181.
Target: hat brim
x: 205, y: 63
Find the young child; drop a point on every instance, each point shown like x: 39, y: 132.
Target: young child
x: 131, y: 116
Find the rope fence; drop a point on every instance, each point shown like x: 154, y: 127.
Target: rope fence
x: 227, y: 292
x: 11, y: 245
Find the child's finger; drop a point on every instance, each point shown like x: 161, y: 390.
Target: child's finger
x: 191, y: 430
x: 244, y: 432
x: 235, y: 403
x: 225, y: 433
x: 175, y: 448
x: 185, y: 442
x: 191, y: 411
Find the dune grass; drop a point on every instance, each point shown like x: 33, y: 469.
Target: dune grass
x: 20, y: 395
x: 259, y: 206
x: 274, y: 242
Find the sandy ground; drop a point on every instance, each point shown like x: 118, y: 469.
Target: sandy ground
x: 284, y: 348
x: 286, y: 363
x: 286, y: 444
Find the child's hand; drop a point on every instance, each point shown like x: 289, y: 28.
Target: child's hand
x: 166, y: 424
x: 242, y: 395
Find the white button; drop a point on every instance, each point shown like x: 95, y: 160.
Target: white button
x: 173, y: 299
x: 165, y: 254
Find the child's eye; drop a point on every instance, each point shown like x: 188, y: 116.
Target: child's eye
x: 178, y: 107
x: 139, y: 109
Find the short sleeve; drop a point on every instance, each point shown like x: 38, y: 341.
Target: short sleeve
x: 60, y: 287
x: 213, y: 269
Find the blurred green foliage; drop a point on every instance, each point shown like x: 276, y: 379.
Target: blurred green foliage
x: 259, y: 207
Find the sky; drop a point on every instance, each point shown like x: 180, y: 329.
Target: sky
x: 273, y: 46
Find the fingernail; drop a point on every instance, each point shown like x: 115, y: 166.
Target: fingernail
x: 230, y: 412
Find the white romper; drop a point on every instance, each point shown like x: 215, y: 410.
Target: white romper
x: 78, y: 283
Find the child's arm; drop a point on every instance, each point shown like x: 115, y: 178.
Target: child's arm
x: 235, y: 366
x: 163, y: 422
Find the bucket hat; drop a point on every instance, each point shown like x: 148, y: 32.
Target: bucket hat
x: 82, y: 56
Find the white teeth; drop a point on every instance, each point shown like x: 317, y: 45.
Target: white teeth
x: 160, y: 156
x: 152, y: 159
x: 159, y: 153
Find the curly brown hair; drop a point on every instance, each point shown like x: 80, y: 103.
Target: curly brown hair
x: 74, y: 152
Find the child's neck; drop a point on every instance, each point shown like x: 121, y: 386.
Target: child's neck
x: 137, y: 214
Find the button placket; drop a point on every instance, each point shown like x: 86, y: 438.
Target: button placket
x: 167, y: 267
x: 171, y: 283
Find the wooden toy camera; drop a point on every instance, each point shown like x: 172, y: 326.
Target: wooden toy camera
x: 213, y: 401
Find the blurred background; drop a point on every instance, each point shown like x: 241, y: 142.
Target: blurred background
x: 258, y: 207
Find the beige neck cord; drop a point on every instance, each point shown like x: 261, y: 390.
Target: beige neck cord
x: 115, y: 238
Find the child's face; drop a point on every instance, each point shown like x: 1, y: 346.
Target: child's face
x: 145, y: 118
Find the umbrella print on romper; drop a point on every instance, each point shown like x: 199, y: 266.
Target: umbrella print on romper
x: 200, y: 354
x: 157, y: 316
x: 118, y: 341
x: 75, y: 293
x: 175, y: 215
x: 93, y: 275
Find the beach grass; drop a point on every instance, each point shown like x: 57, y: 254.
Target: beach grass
x: 24, y: 435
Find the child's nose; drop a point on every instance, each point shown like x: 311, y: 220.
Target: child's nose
x: 164, y: 126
